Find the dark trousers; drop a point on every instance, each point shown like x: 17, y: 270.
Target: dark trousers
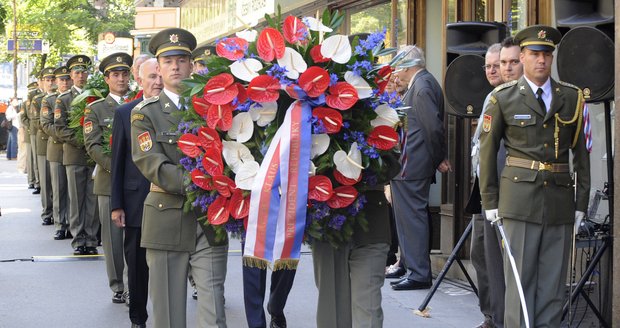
x: 254, y: 286
x: 137, y: 275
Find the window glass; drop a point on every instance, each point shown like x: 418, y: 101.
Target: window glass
x: 480, y: 10
x: 374, y: 19
x: 452, y: 7
x: 517, y: 16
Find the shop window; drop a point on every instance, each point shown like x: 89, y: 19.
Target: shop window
x: 517, y: 15
x: 480, y: 10
x: 452, y: 11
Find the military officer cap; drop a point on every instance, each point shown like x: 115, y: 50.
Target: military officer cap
x: 62, y: 72
x: 47, y: 72
x: 32, y: 85
x: 201, y: 53
x: 171, y: 42
x: 79, y: 62
x: 119, y: 61
x: 538, y: 38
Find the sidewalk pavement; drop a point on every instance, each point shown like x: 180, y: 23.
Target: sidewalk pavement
x: 43, y: 285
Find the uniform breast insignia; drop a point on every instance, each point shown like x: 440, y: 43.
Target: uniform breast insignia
x: 137, y: 117
x: 57, y: 113
x: 144, y: 139
x: 88, y: 127
x: 486, y: 123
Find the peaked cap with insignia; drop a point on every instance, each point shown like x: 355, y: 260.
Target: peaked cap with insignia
x: 78, y: 62
x: 32, y: 85
x: 119, y: 61
x: 201, y: 53
x: 538, y: 38
x: 62, y: 72
x: 172, y: 41
x: 47, y: 72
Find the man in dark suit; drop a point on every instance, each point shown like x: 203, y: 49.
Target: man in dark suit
x: 423, y: 152
x: 129, y: 189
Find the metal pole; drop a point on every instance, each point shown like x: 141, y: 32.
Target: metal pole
x: 15, y: 48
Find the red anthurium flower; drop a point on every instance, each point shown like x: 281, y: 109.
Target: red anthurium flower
x: 231, y: 48
x: 239, y: 206
x: 331, y: 118
x: 110, y: 141
x: 343, y: 196
x: 270, y: 44
x: 320, y: 188
x: 90, y: 99
x: 316, y: 55
x: 294, y: 30
x: 217, y: 213
x: 314, y: 81
x: 201, y: 180
x: 383, y: 76
x: 224, y: 185
x: 341, y: 96
x: 82, y: 120
x: 201, y: 105
x: 383, y: 137
x: 220, y: 89
x: 209, y: 138
x: 242, y: 96
x: 190, y: 145
x: 344, y: 180
x: 264, y: 88
x: 220, y: 116
x: 212, y: 162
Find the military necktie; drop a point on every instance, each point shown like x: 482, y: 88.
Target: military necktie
x: 539, y: 93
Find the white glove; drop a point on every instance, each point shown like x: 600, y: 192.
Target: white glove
x: 492, y: 215
x: 579, y: 216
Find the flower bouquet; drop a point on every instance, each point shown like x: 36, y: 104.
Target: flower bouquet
x: 95, y: 89
x: 285, y: 132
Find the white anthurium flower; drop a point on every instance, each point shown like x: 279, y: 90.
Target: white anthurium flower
x: 265, y: 114
x: 320, y: 143
x: 235, y: 154
x: 242, y: 127
x: 350, y: 165
x: 312, y: 169
x: 294, y: 63
x: 387, y: 116
x: 248, y: 35
x: 364, y: 90
x: 246, y: 69
x: 315, y: 25
x: 244, y: 177
x: 337, y: 48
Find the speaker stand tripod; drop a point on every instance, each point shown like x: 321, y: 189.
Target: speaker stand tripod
x: 453, y: 257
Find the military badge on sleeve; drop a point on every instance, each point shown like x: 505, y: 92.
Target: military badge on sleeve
x: 56, y: 113
x: 44, y: 111
x: 88, y: 127
x: 144, y: 139
x: 486, y: 123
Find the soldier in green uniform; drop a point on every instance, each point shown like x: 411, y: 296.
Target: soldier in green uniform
x: 199, y: 55
x: 40, y: 144
x: 97, y: 128
x: 540, y: 121
x: 33, y: 90
x: 172, y: 237
x: 27, y: 123
x: 83, y: 221
x: 54, y: 154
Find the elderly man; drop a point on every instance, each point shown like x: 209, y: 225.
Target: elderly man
x: 423, y: 153
x: 539, y: 120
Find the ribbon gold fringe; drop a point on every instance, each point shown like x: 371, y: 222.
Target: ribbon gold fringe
x: 286, y: 264
x: 255, y: 262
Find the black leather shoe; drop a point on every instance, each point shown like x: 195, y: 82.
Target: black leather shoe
x: 411, y: 285
x: 60, y: 235
x: 395, y: 282
x: 36, y: 191
x: 47, y: 221
x: 30, y: 186
x: 278, y: 322
x: 396, y: 274
x: 91, y: 250
x: 68, y: 234
x: 138, y: 325
x: 80, y: 250
x: 118, y: 298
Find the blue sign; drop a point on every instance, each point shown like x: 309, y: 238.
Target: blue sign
x: 33, y: 46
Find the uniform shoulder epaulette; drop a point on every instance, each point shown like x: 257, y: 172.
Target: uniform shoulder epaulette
x: 566, y: 84
x: 95, y: 102
x: 40, y: 95
x: 505, y: 85
x: 146, y: 102
x: 64, y: 93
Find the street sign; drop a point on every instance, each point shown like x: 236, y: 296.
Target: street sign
x: 29, y: 46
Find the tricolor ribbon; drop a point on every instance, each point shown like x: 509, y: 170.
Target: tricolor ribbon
x: 587, y: 128
x: 277, y: 218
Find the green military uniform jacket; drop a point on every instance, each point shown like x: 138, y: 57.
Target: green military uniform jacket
x: 73, y: 151
x: 99, y: 115
x: 532, y: 195
x: 54, y: 146
x: 165, y: 226
x: 35, y: 126
x: 25, y: 118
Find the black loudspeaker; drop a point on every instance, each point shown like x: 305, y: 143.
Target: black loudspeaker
x: 586, y: 59
x: 472, y: 38
x: 466, y: 86
x: 594, y: 13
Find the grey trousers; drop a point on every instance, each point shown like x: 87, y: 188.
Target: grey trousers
x: 59, y: 196
x: 541, y: 253
x: 30, y: 165
x: 33, y: 159
x: 168, y: 284
x: 45, y: 182
x: 112, y: 242
x: 83, y: 214
x: 349, y: 280
x: 410, y: 201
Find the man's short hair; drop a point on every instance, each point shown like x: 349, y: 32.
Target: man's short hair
x: 494, y: 48
x: 413, y: 53
x: 509, y: 42
x: 141, y: 70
